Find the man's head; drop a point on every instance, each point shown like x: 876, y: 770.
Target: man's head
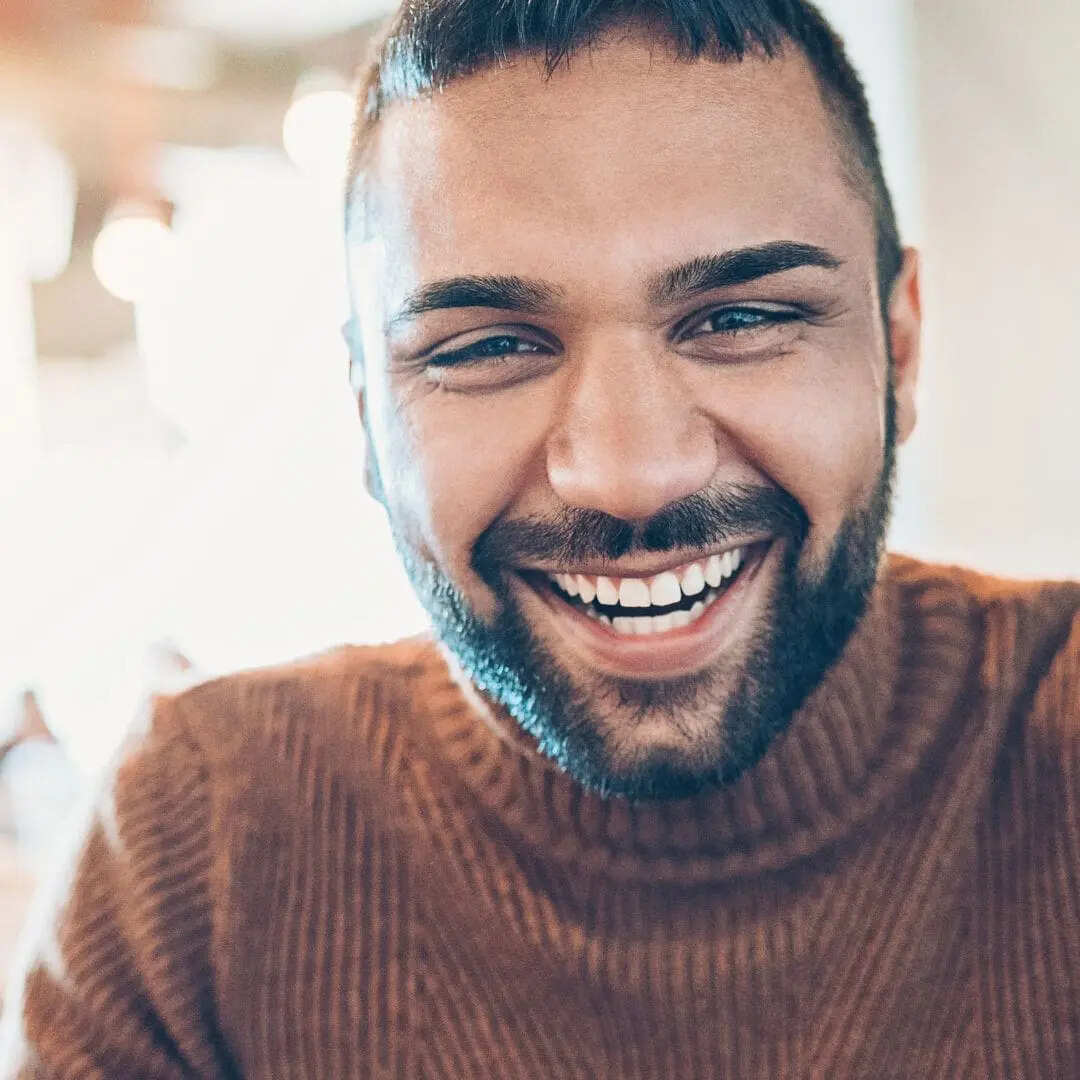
x: 638, y: 341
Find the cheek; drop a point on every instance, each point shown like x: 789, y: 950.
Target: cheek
x: 454, y: 462
x: 813, y: 425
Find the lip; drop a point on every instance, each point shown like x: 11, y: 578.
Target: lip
x: 666, y: 655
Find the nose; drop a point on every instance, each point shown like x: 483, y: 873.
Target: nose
x: 630, y: 439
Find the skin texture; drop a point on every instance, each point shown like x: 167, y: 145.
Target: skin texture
x: 617, y: 407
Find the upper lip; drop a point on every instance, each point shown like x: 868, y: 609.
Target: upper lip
x: 645, y: 569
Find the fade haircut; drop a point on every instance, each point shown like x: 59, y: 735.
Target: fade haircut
x: 429, y: 44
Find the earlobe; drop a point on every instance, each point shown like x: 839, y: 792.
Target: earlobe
x: 905, y: 335
x: 356, y: 374
x: 372, y: 479
x: 372, y: 476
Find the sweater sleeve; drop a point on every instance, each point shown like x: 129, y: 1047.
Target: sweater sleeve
x: 119, y: 979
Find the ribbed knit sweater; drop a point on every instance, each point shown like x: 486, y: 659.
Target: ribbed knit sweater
x: 348, y: 868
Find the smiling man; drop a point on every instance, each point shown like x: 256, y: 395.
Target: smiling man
x: 650, y: 437
x: 693, y: 781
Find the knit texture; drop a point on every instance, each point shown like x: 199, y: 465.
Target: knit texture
x: 347, y: 867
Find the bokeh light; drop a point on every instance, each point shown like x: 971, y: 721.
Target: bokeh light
x: 316, y: 133
x: 130, y: 254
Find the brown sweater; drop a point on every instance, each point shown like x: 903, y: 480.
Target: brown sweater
x: 342, y: 869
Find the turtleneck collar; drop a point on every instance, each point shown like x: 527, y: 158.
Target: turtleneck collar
x: 853, y: 743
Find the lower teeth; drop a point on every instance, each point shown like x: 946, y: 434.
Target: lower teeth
x: 655, y: 624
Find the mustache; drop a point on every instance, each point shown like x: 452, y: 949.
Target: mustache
x: 706, y: 519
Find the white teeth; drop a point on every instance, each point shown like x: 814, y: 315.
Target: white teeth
x: 665, y: 590
x: 645, y: 625
x: 606, y: 593
x: 713, y: 572
x: 639, y: 625
x: 566, y: 582
x: 693, y: 580
x: 633, y: 592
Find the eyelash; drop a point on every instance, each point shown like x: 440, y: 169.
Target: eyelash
x: 482, y: 350
x: 764, y: 318
x: 500, y: 346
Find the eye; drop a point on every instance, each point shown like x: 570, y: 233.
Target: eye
x: 491, y: 363
x: 732, y: 322
x: 484, y: 351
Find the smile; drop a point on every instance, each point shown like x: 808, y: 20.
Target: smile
x: 658, y: 625
x: 668, y: 601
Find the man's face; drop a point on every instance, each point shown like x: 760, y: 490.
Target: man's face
x: 628, y: 401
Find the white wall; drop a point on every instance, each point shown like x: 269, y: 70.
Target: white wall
x: 996, y: 449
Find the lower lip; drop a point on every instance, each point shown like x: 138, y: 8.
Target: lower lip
x: 664, y: 655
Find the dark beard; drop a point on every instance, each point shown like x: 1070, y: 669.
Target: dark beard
x: 810, y: 616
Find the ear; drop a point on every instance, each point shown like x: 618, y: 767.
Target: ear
x: 372, y: 480
x: 355, y: 352
x: 372, y: 477
x: 350, y: 331
x: 905, y: 337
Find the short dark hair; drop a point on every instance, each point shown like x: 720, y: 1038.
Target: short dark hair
x: 430, y: 43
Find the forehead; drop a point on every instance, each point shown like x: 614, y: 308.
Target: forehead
x: 627, y: 160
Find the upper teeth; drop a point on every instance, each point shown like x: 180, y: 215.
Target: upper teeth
x: 663, y: 590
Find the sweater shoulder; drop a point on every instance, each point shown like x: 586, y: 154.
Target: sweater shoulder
x: 1024, y: 628
x: 338, y: 699
x: 983, y: 590
x: 1024, y: 683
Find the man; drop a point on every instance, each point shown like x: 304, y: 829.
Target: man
x: 701, y: 784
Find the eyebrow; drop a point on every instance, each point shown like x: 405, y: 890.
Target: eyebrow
x: 531, y: 296
x: 504, y: 292
x: 737, y: 267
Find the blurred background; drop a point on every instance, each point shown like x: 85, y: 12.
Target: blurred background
x: 180, y: 462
